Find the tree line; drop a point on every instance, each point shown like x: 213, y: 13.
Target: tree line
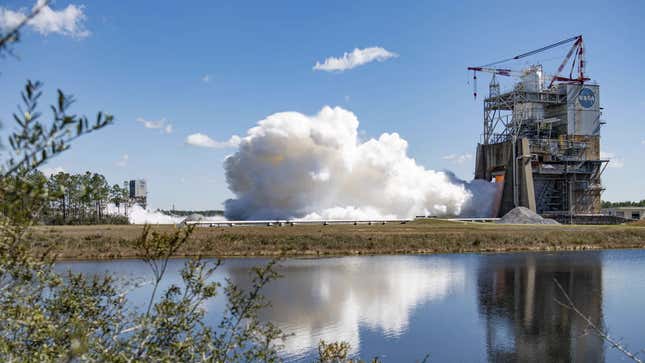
x: 606, y: 204
x: 81, y: 199
x: 186, y: 213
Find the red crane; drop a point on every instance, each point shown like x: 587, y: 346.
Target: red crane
x: 577, y: 51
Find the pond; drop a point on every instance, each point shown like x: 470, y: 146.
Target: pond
x: 456, y: 308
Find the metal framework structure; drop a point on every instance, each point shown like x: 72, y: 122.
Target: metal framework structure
x: 501, y: 123
x: 562, y: 128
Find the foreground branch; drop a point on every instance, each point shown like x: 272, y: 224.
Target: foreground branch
x: 595, y: 328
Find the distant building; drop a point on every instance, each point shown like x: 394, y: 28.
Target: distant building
x: 626, y: 212
x: 137, y: 191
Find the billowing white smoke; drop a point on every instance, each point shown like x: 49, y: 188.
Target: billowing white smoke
x: 138, y: 215
x: 297, y: 166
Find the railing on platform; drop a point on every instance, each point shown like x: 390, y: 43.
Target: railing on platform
x: 289, y: 222
x: 294, y: 222
x: 480, y: 220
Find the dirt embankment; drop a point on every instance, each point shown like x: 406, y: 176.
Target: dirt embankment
x: 640, y: 223
x: 431, y: 236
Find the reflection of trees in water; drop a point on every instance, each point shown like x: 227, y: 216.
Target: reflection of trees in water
x: 330, y: 299
x: 524, y: 323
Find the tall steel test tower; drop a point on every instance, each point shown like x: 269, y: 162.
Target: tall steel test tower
x: 541, y: 140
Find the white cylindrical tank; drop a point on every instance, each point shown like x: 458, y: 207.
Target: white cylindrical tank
x: 528, y: 111
x: 532, y: 79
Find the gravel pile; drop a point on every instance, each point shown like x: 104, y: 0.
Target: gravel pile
x: 522, y: 215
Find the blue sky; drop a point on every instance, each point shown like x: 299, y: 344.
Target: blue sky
x: 149, y: 60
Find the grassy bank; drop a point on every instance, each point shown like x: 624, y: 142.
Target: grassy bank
x: 431, y: 236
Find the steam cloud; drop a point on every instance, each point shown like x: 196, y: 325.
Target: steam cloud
x: 138, y: 215
x: 293, y: 165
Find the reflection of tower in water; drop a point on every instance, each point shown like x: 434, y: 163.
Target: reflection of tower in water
x: 517, y: 299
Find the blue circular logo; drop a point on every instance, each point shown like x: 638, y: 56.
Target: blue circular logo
x: 586, y: 98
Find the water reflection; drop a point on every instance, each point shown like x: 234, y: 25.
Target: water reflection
x: 524, y: 323
x: 331, y: 299
x: 461, y: 308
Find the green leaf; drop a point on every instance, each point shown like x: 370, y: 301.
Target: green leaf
x: 61, y: 101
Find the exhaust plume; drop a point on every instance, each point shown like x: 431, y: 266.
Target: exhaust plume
x: 138, y: 215
x: 293, y: 165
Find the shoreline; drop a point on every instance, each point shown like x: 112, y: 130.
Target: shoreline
x: 307, y: 257
x: 111, y: 242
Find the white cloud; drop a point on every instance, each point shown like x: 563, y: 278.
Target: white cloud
x: 643, y: 141
x: 354, y: 59
x: 10, y: 19
x: 614, y: 161
x: 123, y: 162
x: 49, y: 171
x: 162, y: 124
x: 201, y: 140
x: 68, y: 21
x: 458, y: 158
x: 206, y: 78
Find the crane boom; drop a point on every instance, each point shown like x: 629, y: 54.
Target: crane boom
x: 577, y: 49
x: 498, y: 71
